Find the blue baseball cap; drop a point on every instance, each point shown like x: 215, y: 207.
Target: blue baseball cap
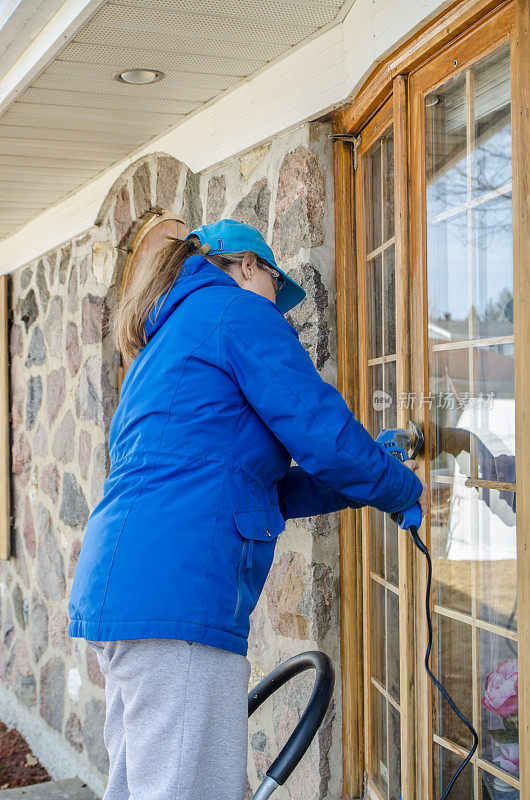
x: 230, y: 236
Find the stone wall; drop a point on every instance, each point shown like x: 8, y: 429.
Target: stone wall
x: 64, y: 378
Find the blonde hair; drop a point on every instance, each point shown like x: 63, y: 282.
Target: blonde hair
x: 158, y: 274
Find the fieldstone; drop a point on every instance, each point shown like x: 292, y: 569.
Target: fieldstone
x: 28, y: 529
x: 312, y: 323
x: 254, y: 208
x: 55, y: 392
x: 74, y: 683
x: 49, y: 482
x: 21, y: 457
x: 49, y: 564
x: 25, y: 277
x: 92, y: 732
x: 74, y: 510
x: 93, y: 669
x: 19, y: 674
x: 18, y: 393
x: 52, y: 676
x: 39, y: 626
x: 94, y: 319
x: 216, y: 200
x: 249, y: 793
x: 74, y: 556
x: 100, y: 470
x: 40, y: 442
x: 16, y: 339
x: 29, y: 309
x: 321, y: 599
x: 300, y: 201
x: 141, y: 189
x: 249, y: 161
x: 257, y: 637
x: 37, y: 348
x: 122, y: 215
x: 18, y: 553
x: 85, y: 452
x: 83, y: 270
x: 261, y: 753
x: 168, y: 172
x: 73, y: 351
x: 52, y: 262
x: 66, y: 252
x: 103, y: 261
x: 42, y: 288
x: 72, y: 732
x: 72, y: 289
x: 63, y: 445
x: 18, y: 605
x: 33, y: 400
x: 94, y: 400
x: 4, y: 655
x: 59, y: 632
x: 287, y: 582
x: 192, y: 209
x: 53, y: 327
x: 7, y: 622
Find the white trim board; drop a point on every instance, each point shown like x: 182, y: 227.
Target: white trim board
x: 309, y: 81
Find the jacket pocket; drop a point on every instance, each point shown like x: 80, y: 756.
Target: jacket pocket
x: 260, y: 525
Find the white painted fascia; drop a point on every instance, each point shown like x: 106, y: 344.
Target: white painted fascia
x: 61, y: 28
x: 309, y: 81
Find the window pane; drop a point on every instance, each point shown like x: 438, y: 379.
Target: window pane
x: 394, y: 754
x: 378, y: 737
x: 372, y: 203
x: 452, y: 660
x: 387, y: 145
x: 392, y: 627
x: 499, y: 702
x: 492, y: 230
x: 374, y: 306
x: 389, y: 333
x: 377, y: 632
x: 472, y: 415
x: 495, y: 788
x: 392, y: 541
x: 445, y: 765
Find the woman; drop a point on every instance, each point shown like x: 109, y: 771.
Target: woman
x: 219, y: 396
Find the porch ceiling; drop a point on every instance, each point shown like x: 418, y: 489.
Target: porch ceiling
x: 68, y: 119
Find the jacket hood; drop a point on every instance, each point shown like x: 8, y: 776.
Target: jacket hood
x: 196, y: 272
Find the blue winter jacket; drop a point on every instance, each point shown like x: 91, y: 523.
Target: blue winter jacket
x: 211, y: 411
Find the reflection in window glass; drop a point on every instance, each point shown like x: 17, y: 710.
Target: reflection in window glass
x: 499, y: 701
x: 472, y: 419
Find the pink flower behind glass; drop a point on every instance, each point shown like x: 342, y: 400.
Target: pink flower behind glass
x: 500, y: 695
x: 510, y: 757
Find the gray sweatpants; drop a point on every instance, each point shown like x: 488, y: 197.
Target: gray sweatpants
x: 176, y: 721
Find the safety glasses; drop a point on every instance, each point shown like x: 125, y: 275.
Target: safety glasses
x: 277, y: 278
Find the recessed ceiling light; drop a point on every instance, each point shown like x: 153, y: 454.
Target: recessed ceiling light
x: 139, y: 76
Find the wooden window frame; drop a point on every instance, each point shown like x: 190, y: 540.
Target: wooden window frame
x: 391, y: 79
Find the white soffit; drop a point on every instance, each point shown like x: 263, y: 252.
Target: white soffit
x: 74, y: 129
x: 73, y: 120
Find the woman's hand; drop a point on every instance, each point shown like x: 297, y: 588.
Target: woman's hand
x: 423, y: 500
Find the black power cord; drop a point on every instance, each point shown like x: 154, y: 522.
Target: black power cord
x: 422, y: 547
